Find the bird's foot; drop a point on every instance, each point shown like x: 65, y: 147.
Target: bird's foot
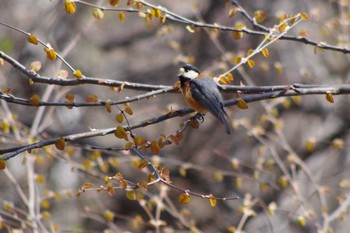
x: 200, y: 117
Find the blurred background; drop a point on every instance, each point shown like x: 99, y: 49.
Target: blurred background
x: 287, y: 160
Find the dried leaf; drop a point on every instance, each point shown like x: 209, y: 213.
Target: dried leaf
x: 194, y: 123
x: 301, y: 221
x: 131, y: 195
x: 329, y: 97
x: 113, y: 2
x: 259, y: 16
x: 283, y: 27
x: 237, y: 60
x: 139, y: 141
x: 238, y: 182
x: 128, y: 145
x: 78, y: 74
x: 310, y: 144
x: 60, y: 144
x: 45, y: 204
x: 242, y: 104
x: 165, y: 173
x: 296, y: 100
x: 303, y: 33
x: 8, y: 206
x: 250, y: 51
x: 180, y: 135
x: 51, y: 54
x: 162, y: 19
x: 265, y: 52
x: 92, y: 98
x: 143, y: 185
x: 150, y: 178
x: 98, y: 13
x: 62, y: 74
x: 218, y: 176
x: 128, y: 110
x: 230, y: 76
x: 122, y: 16
x: 108, y: 106
x: 184, y: 198
x: 78, y: 193
x: 124, y: 184
x: 182, y: 171
x: 251, y: 63
x: 121, y: 133
x: 292, y: 19
x: 138, y: 5
x: 233, y: 12
x: 272, y: 208
x: 70, y: 6
x: 304, y: 16
x: 88, y: 185
x: 282, y: 17
x: 174, y: 139
x: 227, y: 78
x: 114, y: 162
x: 212, y: 200
x: 95, y: 155
x: 32, y: 39
x: 157, y: 13
x: 190, y: 28
x: 104, y: 167
x: 35, y: 66
x: 237, y: 35
x: 40, y: 179
x: 278, y: 67
x: 155, y: 148
x: 338, y: 143
x: 142, y: 164
x: 110, y: 191
x: 70, y: 97
x: 135, y: 162
x: 162, y: 140
x: 108, y: 215
x: 152, y: 11
x: 35, y: 100
x: 87, y: 164
x: 119, y: 118
x: 119, y: 176
x: 46, y: 215
x: 283, y: 181
x: 2, y: 164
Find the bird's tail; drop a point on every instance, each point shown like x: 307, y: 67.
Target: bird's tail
x: 222, y: 119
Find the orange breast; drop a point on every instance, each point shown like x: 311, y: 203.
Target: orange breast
x: 186, y: 92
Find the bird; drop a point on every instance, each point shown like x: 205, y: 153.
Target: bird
x: 202, y: 94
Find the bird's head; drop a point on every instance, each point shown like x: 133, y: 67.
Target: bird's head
x: 188, y: 72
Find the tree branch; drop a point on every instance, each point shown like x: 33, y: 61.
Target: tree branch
x: 293, y: 91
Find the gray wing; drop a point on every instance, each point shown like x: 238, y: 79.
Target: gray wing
x: 206, y: 92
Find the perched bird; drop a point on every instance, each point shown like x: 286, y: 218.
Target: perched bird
x: 202, y: 93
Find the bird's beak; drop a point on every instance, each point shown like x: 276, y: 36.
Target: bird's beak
x: 179, y: 75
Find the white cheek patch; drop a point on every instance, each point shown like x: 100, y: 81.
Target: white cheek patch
x: 191, y: 74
